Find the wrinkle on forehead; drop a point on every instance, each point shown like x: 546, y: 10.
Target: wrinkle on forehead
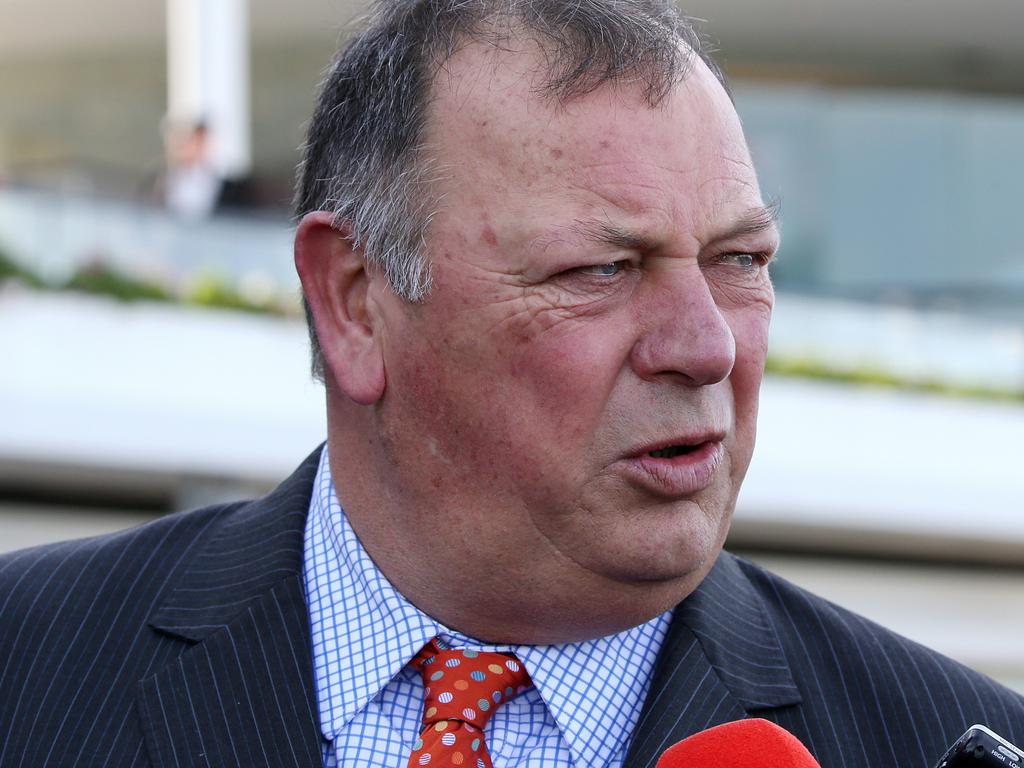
x: 502, y: 142
x: 477, y: 85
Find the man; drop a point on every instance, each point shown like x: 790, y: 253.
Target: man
x: 535, y: 258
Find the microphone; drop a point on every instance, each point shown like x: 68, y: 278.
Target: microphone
x: 981, y: 748
x: 753, y: 743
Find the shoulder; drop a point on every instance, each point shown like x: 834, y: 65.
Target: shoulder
x: 852, y: 670
x: 83, y: 623
x: 74, y: 640
x: 133, y: 568
x: 72, y: 580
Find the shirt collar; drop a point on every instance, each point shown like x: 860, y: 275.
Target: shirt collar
x: 590, y: 688
x: 364, y: 631
x: 595, y: 689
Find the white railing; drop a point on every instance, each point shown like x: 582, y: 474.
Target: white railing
x: 56, y: 232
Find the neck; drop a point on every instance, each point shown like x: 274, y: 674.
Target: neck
x: 530, y: 595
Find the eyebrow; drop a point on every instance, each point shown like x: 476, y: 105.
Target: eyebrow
x: 604, y: 233
x: 754, y: 221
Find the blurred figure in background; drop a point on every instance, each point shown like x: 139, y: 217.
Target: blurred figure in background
x: 191, y: 186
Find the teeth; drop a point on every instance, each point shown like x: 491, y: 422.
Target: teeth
x: 671, y: 452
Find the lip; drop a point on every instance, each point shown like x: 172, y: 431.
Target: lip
x: 682, y: 475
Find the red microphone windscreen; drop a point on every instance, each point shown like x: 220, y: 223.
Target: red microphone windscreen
x: 753, y: 743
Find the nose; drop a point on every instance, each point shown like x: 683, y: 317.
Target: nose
x: 684, y: 333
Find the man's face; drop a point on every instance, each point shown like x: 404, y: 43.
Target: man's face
x: 575, y: 402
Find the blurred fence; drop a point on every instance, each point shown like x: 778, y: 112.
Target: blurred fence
x: 54, y: 231
x: 898, y: 196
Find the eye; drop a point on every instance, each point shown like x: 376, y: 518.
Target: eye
x: 747, y: 261
x: 611, y: 269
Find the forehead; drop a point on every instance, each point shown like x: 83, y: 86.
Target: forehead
x: 495, y: 132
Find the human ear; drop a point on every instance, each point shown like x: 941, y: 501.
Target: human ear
x: 335, y: 282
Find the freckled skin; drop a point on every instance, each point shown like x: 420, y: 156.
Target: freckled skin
x: 516, y: 390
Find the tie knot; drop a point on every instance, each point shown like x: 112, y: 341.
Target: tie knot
x: 467, y: 685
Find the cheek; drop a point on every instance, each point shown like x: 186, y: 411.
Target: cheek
x: 750, y: 329
x: 565, y: 375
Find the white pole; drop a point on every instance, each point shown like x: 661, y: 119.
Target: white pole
x: 208, y: 76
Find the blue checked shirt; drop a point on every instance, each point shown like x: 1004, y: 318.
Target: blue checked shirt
x: 581, y: 712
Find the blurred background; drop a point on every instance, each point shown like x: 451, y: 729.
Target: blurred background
x: 152, y: 355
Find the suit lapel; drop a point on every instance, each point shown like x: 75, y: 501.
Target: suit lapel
x: 242, y: 692
x: 720, y: 661
x: 686, y: 696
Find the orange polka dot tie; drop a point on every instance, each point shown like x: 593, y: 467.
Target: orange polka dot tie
x: 464, y: 688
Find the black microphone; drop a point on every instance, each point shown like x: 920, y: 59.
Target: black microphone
x: 981, y: 748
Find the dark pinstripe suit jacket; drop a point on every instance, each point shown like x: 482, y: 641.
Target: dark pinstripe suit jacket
x: 186, y: 643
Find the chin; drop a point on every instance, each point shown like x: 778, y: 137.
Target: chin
x: 683, y: 558
x: 652, y: 572
x: 640, y: 602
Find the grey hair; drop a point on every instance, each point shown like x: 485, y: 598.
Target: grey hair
x: 364, y: 160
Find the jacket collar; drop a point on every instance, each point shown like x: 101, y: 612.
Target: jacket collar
x: 728, y: 617
x: 720, y: 661
x: 242, y: 693
x: 255, y: 546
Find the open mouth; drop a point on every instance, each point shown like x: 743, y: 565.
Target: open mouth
x: 671, y: 451
x: 677, y: 469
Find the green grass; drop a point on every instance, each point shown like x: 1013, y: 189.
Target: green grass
x: 101, y: 279
x: 211, y: 290
x: 13, y: 270
x: 870, y: 376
